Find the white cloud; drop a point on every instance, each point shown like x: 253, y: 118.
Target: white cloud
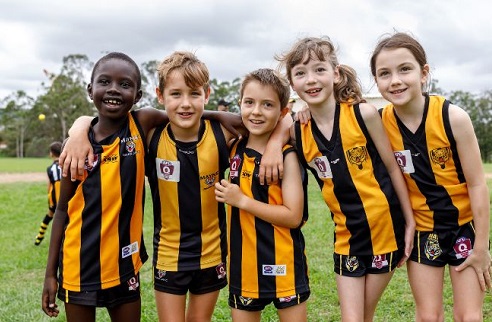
x: 234, y: 37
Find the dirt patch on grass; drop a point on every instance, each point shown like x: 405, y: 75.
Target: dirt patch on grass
x: 23, y: 177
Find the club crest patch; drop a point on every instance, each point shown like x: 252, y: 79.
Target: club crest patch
x: 440, y: 156
x: 351, y: 263
x: 379, y: 261
x: 463, y: 247
x: 357, y: 156
x: 432, y: 248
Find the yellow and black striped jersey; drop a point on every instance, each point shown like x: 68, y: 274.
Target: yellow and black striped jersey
x: 189, y: 224
x: 103, y: 243
x: 355, y: 184
x: 265, y: 260
x: 431, y: 167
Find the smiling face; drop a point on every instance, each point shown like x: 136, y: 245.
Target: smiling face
x: 313, y: 80
x: 114, y: 87
x: 260, y: 109
x: 399, y: 76
x: 184, y: 105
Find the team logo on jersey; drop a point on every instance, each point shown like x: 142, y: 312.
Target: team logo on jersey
x: 245, y: 300
x: 404, y: 160
x: 432, y: 248
x: 209, y: 180
x: 130, y: 147
x: 221, y: 271
x: 94, y: 163
x: 160, y: 275
x: 322, y: 167
x: 351, y: 263
x: 167, y: 170
x: 357, y: 156
x: 133, y: 283
x: 440, y: 156
x: 379, y: 261
x: 112, y: 158
x: 234, y: 166
x: 274, y: 270
x: 463, y: 247
x: 129, y: 250
x: 287, y: 299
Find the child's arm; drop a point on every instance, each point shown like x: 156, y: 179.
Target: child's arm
x: 376, y: 131
x: 67, y: 189
x: 77, y: 148
x: 471, y: 162
x: 232, y: 122
x: 289, y: 214
x: 271, y: 167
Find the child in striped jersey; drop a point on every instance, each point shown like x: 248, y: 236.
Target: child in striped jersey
x: 54, y: 177
x: 96, y: 242
x: 187, y: 156
x: 266, y: 259
x: 436, y: 147
x: 346, y: 148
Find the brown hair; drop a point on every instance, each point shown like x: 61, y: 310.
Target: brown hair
x: 267, y: 76
x: 395, y: 41
x: 347, y: 90
x: 194, y: 71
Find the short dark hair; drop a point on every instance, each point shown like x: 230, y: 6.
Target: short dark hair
x: 55, y: 148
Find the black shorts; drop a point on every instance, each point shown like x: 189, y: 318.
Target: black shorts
x: 126, y: 292
x: 439, y: 248
x: 197, y: 282
x: 356, y: 266
x: 249, y: 304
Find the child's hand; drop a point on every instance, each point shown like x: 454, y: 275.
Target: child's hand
x: 480, y: 261
x: 48, y: 298
x: 231, y: 122
x: 409, y: 236
x: 228, y: 193
x: 303, y: 115
x: 74, y: 155
x: 272, y: 164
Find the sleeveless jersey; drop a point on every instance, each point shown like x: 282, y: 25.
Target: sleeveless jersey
x: 355, y: 184
x: 431, y: 166
x: 54, y: 176
x: 189, y: 224
x: 265, y: 260
x: 103, y: 244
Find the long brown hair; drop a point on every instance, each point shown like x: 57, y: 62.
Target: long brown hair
x: 348, y: 89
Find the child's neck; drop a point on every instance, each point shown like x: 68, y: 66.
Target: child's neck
x: 185, y: 134
x: 258, y: 142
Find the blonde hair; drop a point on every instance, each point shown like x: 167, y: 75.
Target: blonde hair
x: 194, y: 71
x: 348, y: 89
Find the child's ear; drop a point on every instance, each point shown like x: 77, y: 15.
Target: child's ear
x: 160, y: 99
x: 207, y: 95
x: 284, y: 111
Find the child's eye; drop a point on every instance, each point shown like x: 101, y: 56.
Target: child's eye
x: 126, y: 85
x: 320, y: 69
x: 405, y: 69
x: 247, y: 102
x: 298, y: 73
x: 175, y: 94
x: 383, y: 74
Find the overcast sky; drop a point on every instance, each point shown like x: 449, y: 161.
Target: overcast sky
x: 235, y: 37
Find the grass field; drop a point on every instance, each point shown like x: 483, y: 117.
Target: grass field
x: 22, y: 206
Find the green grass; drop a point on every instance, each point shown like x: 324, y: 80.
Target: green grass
x: 11, y: 165
x: 23, y: 205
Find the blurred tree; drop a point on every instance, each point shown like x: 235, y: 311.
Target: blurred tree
x: 479, y: 108
x: 228, y: 91
x: 149, y: 83
x: 15, y: 118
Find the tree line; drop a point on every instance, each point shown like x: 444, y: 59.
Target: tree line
x: 64, y: 98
